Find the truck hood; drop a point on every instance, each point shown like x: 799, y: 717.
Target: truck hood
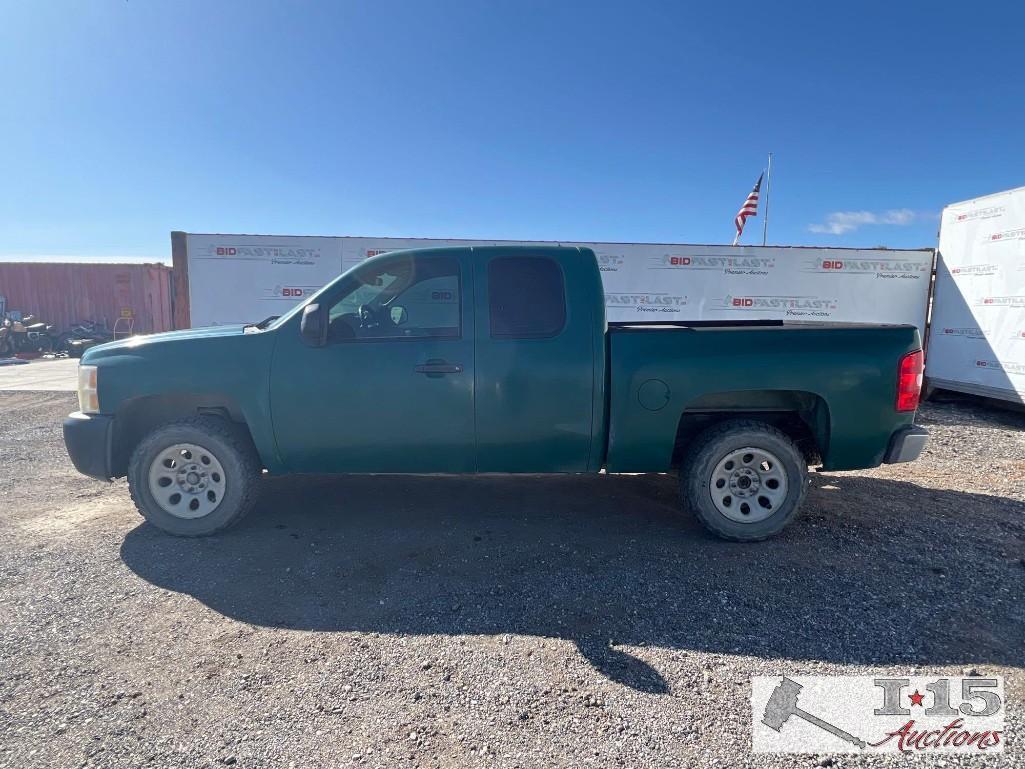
x: 136, y: 342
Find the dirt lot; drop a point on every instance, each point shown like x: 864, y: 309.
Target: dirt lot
x: 494, y: 621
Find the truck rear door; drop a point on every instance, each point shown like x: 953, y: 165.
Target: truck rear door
x: 534, y: 374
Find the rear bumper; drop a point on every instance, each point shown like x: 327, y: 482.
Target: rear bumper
x: 88, y: 439
x: 906, y: 444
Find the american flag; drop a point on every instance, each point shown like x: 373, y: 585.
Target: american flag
x: 750, y: 208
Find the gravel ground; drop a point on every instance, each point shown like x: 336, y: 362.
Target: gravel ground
x: 491, y: 621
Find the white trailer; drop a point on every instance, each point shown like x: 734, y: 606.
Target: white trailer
x: 223, y: 279
x: 977, y: 336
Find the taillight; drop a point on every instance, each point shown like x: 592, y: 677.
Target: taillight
x: 909, y: 380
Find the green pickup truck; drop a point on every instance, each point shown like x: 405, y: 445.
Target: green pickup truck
x: 493, y: 360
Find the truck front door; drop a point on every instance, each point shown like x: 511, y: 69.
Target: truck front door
x: 392, y: 390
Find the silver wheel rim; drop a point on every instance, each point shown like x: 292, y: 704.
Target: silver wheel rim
x: 187, y: 480
x: 748, y: 485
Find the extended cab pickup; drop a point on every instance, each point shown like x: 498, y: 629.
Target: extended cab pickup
x: 484, y: 360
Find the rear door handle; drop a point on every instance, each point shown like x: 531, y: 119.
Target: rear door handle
x: 438, y: 367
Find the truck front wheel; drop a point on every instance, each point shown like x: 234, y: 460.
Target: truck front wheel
x: 745, y: 480
x: 194, y: 476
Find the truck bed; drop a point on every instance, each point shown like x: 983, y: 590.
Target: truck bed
x: 842, y: 377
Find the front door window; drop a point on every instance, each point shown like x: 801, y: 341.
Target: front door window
x: 402, y: 298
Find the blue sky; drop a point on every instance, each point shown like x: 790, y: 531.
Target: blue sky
x: 593, y: 121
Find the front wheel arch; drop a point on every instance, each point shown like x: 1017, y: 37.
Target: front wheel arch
x: 138, y: 417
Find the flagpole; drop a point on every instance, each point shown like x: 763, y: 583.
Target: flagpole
x: 765, y: 221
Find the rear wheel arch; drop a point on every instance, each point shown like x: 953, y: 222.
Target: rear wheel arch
x: 802, y: 416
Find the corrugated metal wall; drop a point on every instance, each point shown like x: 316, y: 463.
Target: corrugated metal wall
x: 62, y: 294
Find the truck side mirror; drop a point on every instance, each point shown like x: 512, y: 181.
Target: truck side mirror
x: 313, y: 327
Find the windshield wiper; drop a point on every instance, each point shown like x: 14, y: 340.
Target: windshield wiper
x: 262, y: 324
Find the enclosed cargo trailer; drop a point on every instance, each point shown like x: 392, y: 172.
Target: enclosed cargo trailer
x: 977, y: 336
x: 227, y: 279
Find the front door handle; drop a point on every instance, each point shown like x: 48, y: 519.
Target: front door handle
x: 438, y: 367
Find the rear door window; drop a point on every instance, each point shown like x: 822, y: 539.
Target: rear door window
x: 526, y: 296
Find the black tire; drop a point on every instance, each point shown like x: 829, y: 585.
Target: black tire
x: 717, y: 443
x: 232, y: 449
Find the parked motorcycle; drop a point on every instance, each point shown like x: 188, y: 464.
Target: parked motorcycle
x: 28, y: 334
x: 83, y: 335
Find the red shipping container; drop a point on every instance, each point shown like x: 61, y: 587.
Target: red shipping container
x: 63, y: 293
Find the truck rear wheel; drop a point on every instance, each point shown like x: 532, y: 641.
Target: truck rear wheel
x: 745, y: 480
x: 194, y: 477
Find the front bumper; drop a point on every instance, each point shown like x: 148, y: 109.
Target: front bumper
x: 88, y: 439
x: 906, y: 444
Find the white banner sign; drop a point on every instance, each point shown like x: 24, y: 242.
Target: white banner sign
x: 977, y: 341
x: 242, y: 279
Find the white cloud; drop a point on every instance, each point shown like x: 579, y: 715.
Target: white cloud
x: 839, y: 222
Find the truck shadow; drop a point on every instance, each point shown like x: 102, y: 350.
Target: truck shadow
x: 876, y: 571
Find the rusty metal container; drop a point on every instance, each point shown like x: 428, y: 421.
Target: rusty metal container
x: 63, y: 293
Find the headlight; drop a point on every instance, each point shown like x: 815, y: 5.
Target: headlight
x: 88, y: 400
